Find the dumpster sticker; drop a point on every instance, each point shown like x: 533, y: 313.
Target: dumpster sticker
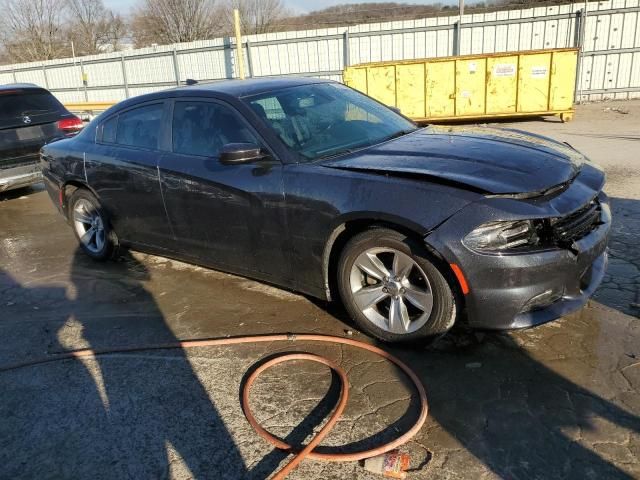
x: 504, y: 70
x: 473, y: 67
x: 539, y: 72
x: 465, y: 94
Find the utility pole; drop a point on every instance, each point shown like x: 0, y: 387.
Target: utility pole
x: 240, y: 55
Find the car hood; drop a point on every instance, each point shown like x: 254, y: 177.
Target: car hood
x: 495, y: 161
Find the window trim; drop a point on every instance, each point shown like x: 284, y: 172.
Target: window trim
x: 234, y: 111
x: 163, y: 120
x: 100, y: 135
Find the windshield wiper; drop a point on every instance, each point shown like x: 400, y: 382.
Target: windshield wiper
x: 337, y: 153
x: 401, y: 133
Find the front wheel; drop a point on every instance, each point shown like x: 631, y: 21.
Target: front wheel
x: 91, y: 226
x: 392, y: 290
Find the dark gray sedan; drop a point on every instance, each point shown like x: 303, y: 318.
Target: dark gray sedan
x: 312, y: 186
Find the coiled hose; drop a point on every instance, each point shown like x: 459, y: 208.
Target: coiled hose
x: 307, y: 451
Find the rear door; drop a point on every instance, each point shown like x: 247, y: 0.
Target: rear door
x: 122, y: 168
x: 223, y: 215
x: 28, y: 120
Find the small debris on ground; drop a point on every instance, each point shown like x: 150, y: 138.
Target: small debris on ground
x: 473, y: 365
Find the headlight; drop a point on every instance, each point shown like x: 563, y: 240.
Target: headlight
x: 501, y: 236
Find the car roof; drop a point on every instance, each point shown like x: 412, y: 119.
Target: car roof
x: 22, y: 86
x: 250, y: 86
x: 223, y: 88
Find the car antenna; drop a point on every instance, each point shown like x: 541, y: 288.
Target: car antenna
x: 191, y: 81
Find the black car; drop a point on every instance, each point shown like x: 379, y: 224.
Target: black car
x: 30, y: 116
x: 312, y: 186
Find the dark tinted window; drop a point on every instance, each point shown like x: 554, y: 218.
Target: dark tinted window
x: 202, y: 128
x: 140, y: 127
x: 109, y: 130
x: 17, y: 103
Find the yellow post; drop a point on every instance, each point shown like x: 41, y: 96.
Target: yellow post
x: 240, y: 56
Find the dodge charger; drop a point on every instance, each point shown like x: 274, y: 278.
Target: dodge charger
x: 317, y: 188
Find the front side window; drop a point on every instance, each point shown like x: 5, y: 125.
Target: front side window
x: 322, y: 120
x: 139, y: 127
x: 203, y: 128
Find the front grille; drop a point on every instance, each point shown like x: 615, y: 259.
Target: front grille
x: 577, y: 225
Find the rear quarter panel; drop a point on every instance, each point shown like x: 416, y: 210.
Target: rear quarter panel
x: 62, y: 162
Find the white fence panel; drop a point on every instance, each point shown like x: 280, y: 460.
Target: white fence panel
x: 610, y: 66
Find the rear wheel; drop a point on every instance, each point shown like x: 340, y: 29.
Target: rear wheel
x: 393, y: 290
x: 91, y: 226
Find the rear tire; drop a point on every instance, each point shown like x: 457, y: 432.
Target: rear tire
x: 91, y: 226
x: 393, y: 290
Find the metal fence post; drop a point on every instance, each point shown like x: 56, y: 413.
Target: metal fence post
x: 44, y: 72
x: 456, y: 38
x: 578, y: 39
x: 176, y: 68
x: 577, y: 30
x: 124, y: 76
x: 347, y: 52
x: 249, y: 59
x: 15, y: 79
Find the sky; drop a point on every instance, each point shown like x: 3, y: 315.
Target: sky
x: 297, y: 6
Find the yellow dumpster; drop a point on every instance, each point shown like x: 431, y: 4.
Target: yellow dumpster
x: 537, y: 82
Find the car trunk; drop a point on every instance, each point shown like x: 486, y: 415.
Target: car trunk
x: 28, y: 120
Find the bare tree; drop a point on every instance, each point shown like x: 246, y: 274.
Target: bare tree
x: 32, y: 29
x: 94, y: 28
x: 173, y: 21
x: 257, y: 16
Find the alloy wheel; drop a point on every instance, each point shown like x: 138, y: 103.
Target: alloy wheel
x: 391, y: 290
x: 89, y: 226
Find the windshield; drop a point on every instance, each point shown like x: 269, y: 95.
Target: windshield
x: 324, y: 120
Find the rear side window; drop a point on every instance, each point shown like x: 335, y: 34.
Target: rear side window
x: 18, y: 103
x: 109, y: 130
x: 139, y: 127
x: 203, y: 128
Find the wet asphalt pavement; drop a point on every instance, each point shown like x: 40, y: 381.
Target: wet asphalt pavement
x: 558, y: 401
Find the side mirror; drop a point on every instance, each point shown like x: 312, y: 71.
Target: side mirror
x: 395, y: 109
x: 238, y: 153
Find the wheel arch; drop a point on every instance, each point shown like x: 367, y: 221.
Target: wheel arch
x: 349, y: 227
x: 66, y: 190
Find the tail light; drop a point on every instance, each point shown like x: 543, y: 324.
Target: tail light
x: 70, y: 125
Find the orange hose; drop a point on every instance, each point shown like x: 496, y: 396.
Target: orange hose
x: 307, y: 451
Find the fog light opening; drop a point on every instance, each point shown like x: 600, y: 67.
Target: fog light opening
x: 543, y: 300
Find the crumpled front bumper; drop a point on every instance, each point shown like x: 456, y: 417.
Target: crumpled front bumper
x: 18, y: 177
x: 502, y: 287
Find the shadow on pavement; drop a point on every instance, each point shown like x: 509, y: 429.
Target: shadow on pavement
x: 119, y: 416
x: 519, y: 417
x: 132, y: 416
x: 620, y: 288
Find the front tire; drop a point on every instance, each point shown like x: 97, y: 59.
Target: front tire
x: 392, y: 289
x: 91, y: 226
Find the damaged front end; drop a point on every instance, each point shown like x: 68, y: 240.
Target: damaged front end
x: 529, y: 261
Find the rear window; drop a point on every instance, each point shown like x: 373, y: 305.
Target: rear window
x: 139, y: 127
x: 21, y: 103
x: 109, y: 130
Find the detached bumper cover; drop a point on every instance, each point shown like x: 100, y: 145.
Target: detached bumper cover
x: 17, y: 177
x: 501, y: 286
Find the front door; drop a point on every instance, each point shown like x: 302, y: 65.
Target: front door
x: 229, y: 216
